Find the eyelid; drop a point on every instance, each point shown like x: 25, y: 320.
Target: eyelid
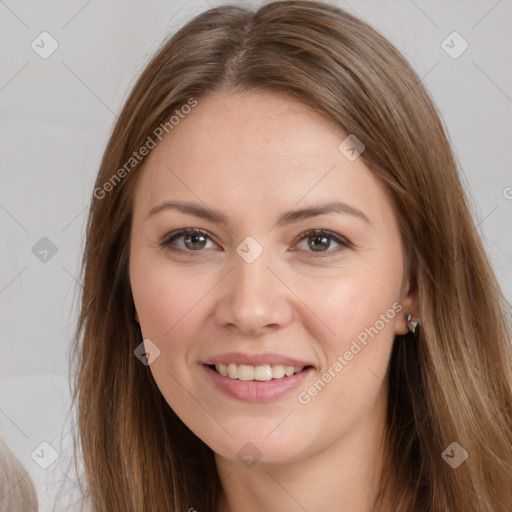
x: 340, y: 240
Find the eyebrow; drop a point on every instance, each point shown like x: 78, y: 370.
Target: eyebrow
x: 286, y: 218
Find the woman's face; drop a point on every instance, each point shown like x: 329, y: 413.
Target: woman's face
x: 253, y: 290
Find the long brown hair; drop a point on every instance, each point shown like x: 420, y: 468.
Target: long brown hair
x: 450, y: 382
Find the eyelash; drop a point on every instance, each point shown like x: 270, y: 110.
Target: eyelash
x: 171, y: 237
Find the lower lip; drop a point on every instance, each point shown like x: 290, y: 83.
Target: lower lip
x: 257, y: 391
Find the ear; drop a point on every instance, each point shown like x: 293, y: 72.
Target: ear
x: 410, y: 305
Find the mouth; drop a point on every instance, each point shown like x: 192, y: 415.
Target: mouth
x: 257, y: 384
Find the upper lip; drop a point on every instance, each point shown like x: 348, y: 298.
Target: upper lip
x: 263, y: 358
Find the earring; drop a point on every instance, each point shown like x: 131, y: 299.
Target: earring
x: 410, y: 324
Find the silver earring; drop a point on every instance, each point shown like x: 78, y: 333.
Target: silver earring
x: 410, y: 324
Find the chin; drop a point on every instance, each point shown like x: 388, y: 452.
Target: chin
x: 263, y: 451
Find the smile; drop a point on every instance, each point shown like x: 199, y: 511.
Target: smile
x: 244, y: 384
x: 263, y: 372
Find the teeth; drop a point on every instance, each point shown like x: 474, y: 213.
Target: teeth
x: 245, y: 372
x: 261, y: 373
x: 288, y: 370
x: 233, y: 371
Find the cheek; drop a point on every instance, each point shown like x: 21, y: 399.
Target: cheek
x: 362, y: 309
x: 168, y: 304
x: 346, y: 305
x: 164, y: 297
x: 360, y: 306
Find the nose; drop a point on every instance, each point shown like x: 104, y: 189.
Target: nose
x: 253, y: 298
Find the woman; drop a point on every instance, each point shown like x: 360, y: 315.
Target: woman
x: 286, y: 305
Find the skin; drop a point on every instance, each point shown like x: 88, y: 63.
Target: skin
x: 254, y: 156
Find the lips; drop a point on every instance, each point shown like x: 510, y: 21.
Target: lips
x: 256, y: 377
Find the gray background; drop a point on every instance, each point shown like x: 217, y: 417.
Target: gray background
x: 56, y: 115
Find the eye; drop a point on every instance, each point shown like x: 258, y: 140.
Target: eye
x: 193, y: 240
x: 320, y: 241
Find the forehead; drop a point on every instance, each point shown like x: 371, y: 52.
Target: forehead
x: 257, y: 150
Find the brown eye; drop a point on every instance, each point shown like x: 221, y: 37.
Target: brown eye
x: 321, y: 241
x: 195, y: 242
x: 186, y: 240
